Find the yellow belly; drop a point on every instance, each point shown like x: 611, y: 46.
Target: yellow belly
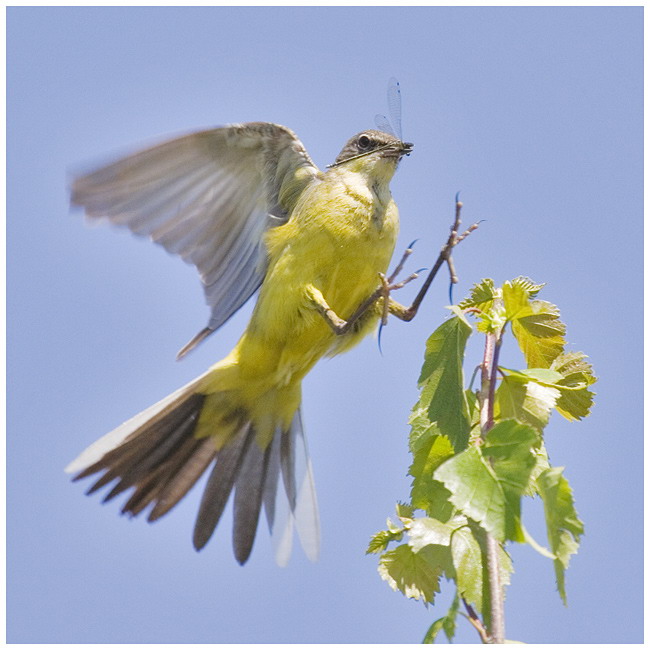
x: 338, y: 240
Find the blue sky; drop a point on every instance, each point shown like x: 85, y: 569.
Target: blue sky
x: 534, y: 114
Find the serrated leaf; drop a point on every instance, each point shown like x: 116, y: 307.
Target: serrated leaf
x: 487, y: 484
x: 416, y: 575
x: 429, y: 450
x: 539, y: 332
x: 404, y: 510
x: 532, y: 288
x: 563, y: 526
x: 422, y: 429
x: 480, y: 296
x: 576, y: 399
x: 575, y: 404
x: 441, y: 380
x: 379, y: 541
x: 515, y: 299
x: 529, y: 402
x: 541, y: 464
x: 575, y: 368
x: 569, y: 374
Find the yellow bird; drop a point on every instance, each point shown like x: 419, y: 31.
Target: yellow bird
x: 247, y: 206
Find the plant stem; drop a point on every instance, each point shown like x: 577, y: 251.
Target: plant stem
x: 486, y: 396
x: 473, y: 618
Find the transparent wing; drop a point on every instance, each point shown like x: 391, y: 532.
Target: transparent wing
x: 394, y: 96
x: 207, y: 197
x: 382, y: 123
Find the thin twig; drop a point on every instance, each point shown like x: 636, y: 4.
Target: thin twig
x: 444, y: 256
x: 474, y: 619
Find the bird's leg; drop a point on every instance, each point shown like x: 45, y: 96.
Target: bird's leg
x: 339, y: 325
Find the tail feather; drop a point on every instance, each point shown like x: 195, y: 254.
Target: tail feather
x: 249, y: 490
x: 151, y: 445
x: 144, y: 494
x: 157, y: 455
x: 288, y: 464
x: 271, y: 483
x: 199, y: 456
x: 172, y: 452
x: 219, y: 485
x: 128, y: 432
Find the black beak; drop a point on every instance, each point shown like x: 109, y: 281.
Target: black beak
x: 407, y: 147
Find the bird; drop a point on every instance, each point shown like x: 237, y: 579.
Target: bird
x: 247, y: 206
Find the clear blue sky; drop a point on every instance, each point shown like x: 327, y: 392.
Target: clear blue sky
x: 535, y: 114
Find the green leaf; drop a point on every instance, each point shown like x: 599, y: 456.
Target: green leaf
x: 469, y: 566
x: 434, y: 630
x: 379, y: 541
x: 515, y: 299
x: 423, y: 531
x: 404, y: 510
x: 416, y: 575
x: 493, y: 319
x: 532, y: 288
x: 569, y: 375
x: 538, y: 330
x: 449, y: 626
x: 541, y: 464
x: 544, y: 376
x: 481, y: 295
x: 563, y: 526
x: 468, y: 552
x: 528, y: 402
x: 441, y: 380
x: 426, y: 530
x: 429, y: 449
x: 446, y: 623
x: 422, y: 429
x: 487, y: 484
x: 576, y: 399
x: 574, y: 368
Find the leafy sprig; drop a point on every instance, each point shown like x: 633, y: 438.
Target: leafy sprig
x: 470, y: 472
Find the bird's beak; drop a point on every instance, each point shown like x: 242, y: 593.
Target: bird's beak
x: 407, y: 147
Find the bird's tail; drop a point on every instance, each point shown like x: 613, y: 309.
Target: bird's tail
x: 163, y: 451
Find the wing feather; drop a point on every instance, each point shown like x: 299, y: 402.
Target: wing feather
x: 208, y: 197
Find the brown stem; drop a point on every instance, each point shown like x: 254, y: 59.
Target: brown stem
x: 474, y: 619
x: 445, y: 256
x: 486, y: 398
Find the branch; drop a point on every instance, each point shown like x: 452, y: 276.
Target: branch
x: 486, y: 400
x: 445, y: 256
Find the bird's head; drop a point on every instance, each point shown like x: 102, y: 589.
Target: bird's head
x: 372, y: 152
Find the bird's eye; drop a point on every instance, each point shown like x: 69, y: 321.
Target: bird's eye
x: 364, y: 142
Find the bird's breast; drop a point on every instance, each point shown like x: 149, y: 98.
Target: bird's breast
x: 340, y: 236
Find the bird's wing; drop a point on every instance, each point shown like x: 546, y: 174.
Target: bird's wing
x: 208, y: 197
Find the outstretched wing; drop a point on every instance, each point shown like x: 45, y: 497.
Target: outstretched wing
x: 208, y: 197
